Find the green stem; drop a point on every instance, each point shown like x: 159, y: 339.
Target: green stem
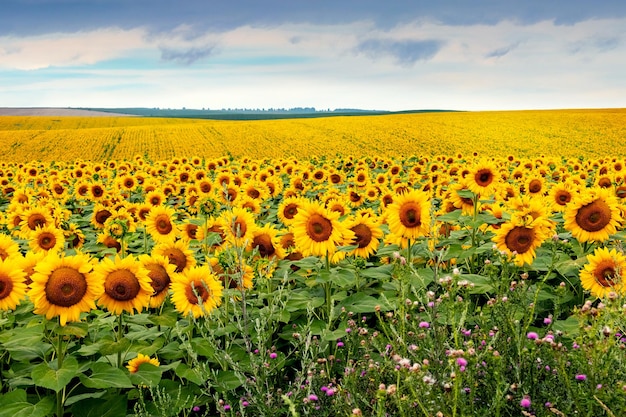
x: 60, y: 356
x: 120, y: 323
x: 329, y: 303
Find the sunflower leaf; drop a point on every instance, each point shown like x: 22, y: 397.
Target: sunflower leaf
x: 45, y: 375
x: 105, y: 376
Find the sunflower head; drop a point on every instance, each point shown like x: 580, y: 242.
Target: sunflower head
x: 604, y: 272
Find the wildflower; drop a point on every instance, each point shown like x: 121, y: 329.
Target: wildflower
x: 424, y: 325
x: 273, y: 355
x: 340, y: 344
x: 532, y: 335
x: 547, y: 320
x: 313, y: 397
x: 581, y: 377
x: 525, y: 402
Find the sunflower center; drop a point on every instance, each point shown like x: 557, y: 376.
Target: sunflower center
x: 122, y: 285
x: 47, y: 241
x: 65, y: 287
x: 97, y: 191
x: 254, y: 193
x: 605, y: 273
x: 102, y: 216
x: 178, y: 258
x: 410, y: 215
x: 520, y: 239
x: 6, y: 286
x: 163, y: 224
x: 36, y: 220
x: 534, y: 186
x: 195, y: 292
x: 594, y: 216
x: 319, y: 228
x: 159, y: 279
x: 362, y: 235
x: 563, y: 197
x: 3, y: 254
x: 290, y: 211
x: 264, y: 244
x: 483, y: 177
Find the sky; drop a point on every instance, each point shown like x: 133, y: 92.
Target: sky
x: 328, y: 54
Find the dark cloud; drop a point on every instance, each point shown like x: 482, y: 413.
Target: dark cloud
x: 405, y: 52
x: 186, y: 56
x: 20, y: 17
x: 500, y: 52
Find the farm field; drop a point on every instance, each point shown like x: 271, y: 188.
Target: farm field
x: 568, y: 133
x: 445, y: 264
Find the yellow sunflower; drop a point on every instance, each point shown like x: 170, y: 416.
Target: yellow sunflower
x: 593, y: 216
x: 604, y: 273
x: 178, y: 254
x: 519, y: 240
x: 367, y: 235
x: 560, y: 195
x: 239, y: 225
x: 196, y: 291
x: 8, y: 247
x: 160, y: 272
x: 46, y: 239
x: 160, y: 224
x: 266, y: 241
x: 229, y: 270
x: 155, y: 198
x: 483, y: 178
x: 64, y: 287
x: 409, y: 215
x: 126, y: 284
x: 100, y: 214
x: 317, y: 231
x: 288, y: 208
x: 12, y: 283
x: 133, y: 364
x: 35, y: 217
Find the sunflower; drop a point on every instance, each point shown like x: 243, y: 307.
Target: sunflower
x: 288, y: 208
x: 160, y: 224
x: 483, y: 178
x: 155, y: 198
x: 133, y: 364
x: 593, y: 215
x: 519, y: 240
x: 604, y: 273
x: 460, y: 198
x: 97, y: 192
x: 160, y: 272
x: 100, y: 214
x: 266, y: 241
x: 196, y: 291
x: 239, y: 226
x: 560, y: 195
x: 227, y: 267
x: 339, y: 205
x: 409, y: 215
x: 12, y: 283
x: 318, y: 231
x: 126, y: 284
x: 367, y: 235
x: 46, y: 239
x: 535, y: 185
x: 178, y: 254
x: 8, y: 247
x: 35, y: 217
x: 64, y: 287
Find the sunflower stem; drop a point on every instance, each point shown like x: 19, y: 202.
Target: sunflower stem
x: 120, y: 323
x: 328, y: 296
x: 60, y: 356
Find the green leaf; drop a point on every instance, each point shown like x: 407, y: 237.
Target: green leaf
x: 166, y: 318
x: 110, y: 347
x: 363, y: 303
x: 300, y: 300
x: 382, y: 272
x: 25, y: 409
x: 105, y: 376
x: 48, y: 376
x: 228, y: 381
x: 183, y: 371
x: 481, y: 284
x: 342, y: 278
x: 570, y: 326
x: 147, y: 375
x: 113, y: 406
x: 78, y: 329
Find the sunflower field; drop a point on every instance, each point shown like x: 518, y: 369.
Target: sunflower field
x: 457, y: 264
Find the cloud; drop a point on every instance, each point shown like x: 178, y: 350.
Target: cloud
x: 405, y: 52
x: 500, y: 52
x: 186, y: 56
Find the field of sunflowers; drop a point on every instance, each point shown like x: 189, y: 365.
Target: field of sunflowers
x: 449, y: 264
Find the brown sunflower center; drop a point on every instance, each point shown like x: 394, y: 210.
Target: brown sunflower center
x: 122, y: 285
x: 562, y: 197
x: 6, y: 286
x: 410, y: 215
x: 319, y: 228
x: 254, y: 193
x: 239, y: 227
x: 362, y: 235
x: 46, y: 240
x: 605, y: 273
x: 196, y: 291
x: 335, y: 178
x: 159, y: 279
x: 97, y: 191
x: 102, y: 216
x: 520, y: 239
x: 65, y: 287
x: 594, y: 216
x: 3, y: 254
x: 483, y: 177
x: 178, y: 258
x: 605, y: 182
x: 620, y: 191
x: 162, y: 224
x: 264, y: 244
x: 290, y: 211
x: 535, y: 186
x: 36, y: 220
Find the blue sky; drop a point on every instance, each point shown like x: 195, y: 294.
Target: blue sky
x: 388, y: 55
